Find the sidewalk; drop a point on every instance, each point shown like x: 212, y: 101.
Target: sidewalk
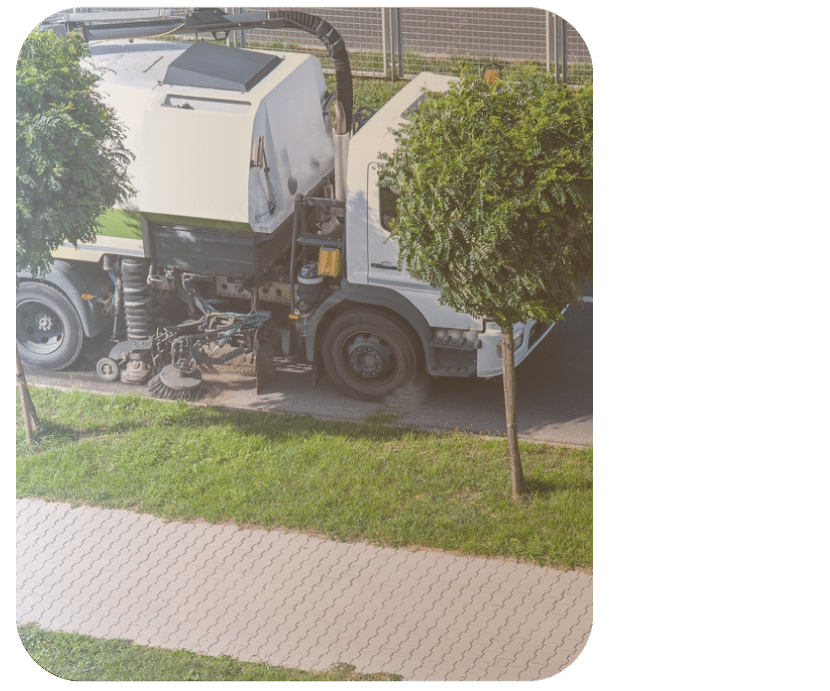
x: 294, y: 600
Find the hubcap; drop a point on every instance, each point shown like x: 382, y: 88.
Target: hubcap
x: 369, y: 356
x: 39, y: 329
x: 43, y: 321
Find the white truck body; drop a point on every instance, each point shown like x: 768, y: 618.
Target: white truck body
x: 193, y: 145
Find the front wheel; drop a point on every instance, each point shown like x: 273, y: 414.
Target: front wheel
x: 368, y: 354
x: 49, y: 330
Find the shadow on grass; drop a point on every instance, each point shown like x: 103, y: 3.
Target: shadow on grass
x: 378, y: 426
x: 544, y: 487
x: 130, y: 413
x: 52, y: 431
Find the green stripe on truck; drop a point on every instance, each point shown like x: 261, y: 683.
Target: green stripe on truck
x: 191, y: 221
x: 120, y: 223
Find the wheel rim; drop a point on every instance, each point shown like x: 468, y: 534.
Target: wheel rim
x: 39, y: 329
x: 370, y: 357
x: 108, y: 369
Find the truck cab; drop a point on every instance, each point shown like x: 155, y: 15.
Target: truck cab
x: 448, y: 343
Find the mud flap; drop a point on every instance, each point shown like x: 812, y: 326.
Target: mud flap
x: 264, y: 352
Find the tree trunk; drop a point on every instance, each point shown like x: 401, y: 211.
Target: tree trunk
x: 30, y: 420
x: 508, y: 368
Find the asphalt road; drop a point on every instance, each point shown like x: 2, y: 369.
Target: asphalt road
x: 554, y: 391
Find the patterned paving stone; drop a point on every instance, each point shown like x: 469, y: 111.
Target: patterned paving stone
x: 295, y: 600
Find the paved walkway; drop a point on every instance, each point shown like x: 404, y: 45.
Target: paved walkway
x: 294, y: 600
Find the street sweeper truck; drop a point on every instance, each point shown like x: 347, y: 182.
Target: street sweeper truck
x: 257, y: 211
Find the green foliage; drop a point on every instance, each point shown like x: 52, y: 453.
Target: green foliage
x: 71, y: 161
x: 496, y: 195
x: 369, y: 93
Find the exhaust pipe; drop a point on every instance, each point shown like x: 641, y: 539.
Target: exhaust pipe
x: 341, y: 154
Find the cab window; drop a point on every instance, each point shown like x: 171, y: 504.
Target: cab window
x: 388, y: 207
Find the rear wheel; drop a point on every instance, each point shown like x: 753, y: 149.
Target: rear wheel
x: 49, y: 330
x: 368, y: 354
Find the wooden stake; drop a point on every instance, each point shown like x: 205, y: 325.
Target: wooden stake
x: 508, y: 366
x: 30, y: 419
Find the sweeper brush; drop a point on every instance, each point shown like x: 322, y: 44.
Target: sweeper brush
x: 169, y: 383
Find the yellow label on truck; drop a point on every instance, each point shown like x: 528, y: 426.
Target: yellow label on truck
x: 329, y: 262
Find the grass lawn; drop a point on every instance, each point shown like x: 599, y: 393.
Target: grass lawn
x: 369, y: 93
x: 83, y: 658
x: 370, y: 481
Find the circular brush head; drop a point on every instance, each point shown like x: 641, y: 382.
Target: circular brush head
x: 171, y: 384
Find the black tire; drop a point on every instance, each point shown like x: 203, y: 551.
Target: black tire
x: 368, y: 354
x: 49, y: 330
x: 107, y: 369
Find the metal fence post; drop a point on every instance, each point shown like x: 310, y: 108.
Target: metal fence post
x: 548, y: 39
x: 560, y: 47
x: 392, y: 69
x: 400, y: 41
x: 556, y: 22
x: 395, y: 44
x: 383, y: 13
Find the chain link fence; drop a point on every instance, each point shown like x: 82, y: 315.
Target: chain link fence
x: 397, y: 43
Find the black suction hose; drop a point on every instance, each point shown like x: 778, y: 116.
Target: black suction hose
x: 337, y: 50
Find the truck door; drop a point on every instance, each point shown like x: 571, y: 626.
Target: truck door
x: 382, y: 250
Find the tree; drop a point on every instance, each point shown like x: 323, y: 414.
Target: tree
x: 71, y: 158
x: 495, y: 185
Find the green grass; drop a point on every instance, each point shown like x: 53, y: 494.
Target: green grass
x: 373, y: 481
x: 83, y: 658
x: 369, y: 93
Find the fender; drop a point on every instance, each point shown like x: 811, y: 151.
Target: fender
x: 378, y: 297
x: 74, y: 279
